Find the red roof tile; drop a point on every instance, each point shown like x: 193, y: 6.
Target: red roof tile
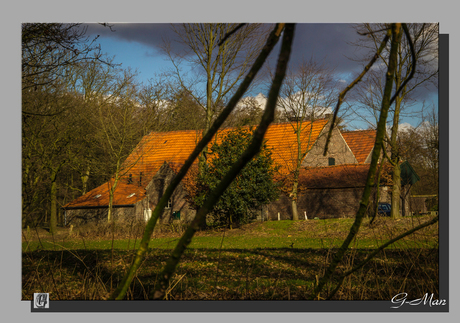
x: 361, y: 143
x: 99, y: 197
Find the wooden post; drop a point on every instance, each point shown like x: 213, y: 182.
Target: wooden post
x: 279, y: 216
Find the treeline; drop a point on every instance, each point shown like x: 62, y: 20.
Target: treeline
x: 82, y: 115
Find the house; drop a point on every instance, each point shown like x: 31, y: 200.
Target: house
x: 159, y: 156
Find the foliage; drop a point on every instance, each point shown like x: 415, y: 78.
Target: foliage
x: 251, y: 189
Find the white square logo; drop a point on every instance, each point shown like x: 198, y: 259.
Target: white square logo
x: 41, y: 300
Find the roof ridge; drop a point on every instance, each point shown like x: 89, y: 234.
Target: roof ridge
x: 362, y: 130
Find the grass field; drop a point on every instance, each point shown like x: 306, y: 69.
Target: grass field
x: 269, y: 260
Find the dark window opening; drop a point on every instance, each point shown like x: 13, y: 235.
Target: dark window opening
x: 331, y: 161
x: 130, y: 179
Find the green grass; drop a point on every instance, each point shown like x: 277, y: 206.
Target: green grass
x: 328, y: 233
x: 270, y: 260
x: 233, y: 242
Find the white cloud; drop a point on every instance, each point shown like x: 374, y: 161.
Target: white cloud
x: 404, y: 127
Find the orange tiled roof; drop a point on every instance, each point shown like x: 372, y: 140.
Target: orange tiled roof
x: 361, y: 143
x: 282, y: 139
x: 99, y: 197
x: 174, y: 147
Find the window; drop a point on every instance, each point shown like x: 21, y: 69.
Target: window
x: 331, y: 161
x: 168, y: 206
x: 130, y: 179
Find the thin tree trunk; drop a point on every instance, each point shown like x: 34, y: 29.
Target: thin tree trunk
x: 111, y: 194
x: 396, y: 174
x: 295, y: 185
x: 84, y: 180
x: 53, y: 197
x: 294, y: 193
x: 396, y: 191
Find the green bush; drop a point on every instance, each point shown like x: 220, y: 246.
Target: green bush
x: 251, y: 189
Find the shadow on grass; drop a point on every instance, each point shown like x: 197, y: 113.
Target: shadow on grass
x: 264, y: 273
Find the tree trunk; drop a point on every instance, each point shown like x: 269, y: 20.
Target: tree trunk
x: 295, y: 214
x: 295, y: 184
x: 396, y: 192
x: 293, y: 195
x: 84, y: 180
x: 53, y: 198
x: 110, y: 206
x: 396, y: 175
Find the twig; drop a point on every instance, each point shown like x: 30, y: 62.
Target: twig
x: 218, y: 258
x: 171, y: 288
x: 373, y: 31
x: 230, y: 33
x: 414, y: 62
x: 375, y: 252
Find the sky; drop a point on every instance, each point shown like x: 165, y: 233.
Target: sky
x: 137, y: 46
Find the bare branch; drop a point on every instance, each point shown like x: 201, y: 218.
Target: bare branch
x: 382, y: 247
x: 229, y: 34
x: 351, y: 85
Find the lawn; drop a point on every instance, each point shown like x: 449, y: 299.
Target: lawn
x: 269, y: 260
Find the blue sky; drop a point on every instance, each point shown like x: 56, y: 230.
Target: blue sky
x: 137, y: 46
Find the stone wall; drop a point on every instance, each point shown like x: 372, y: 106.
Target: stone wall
x: 178, y: 202
x: 83, y: 216
x: 338, y: 149
x: 324, y: 203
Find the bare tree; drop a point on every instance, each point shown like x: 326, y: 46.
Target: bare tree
x: 393, y: 32
x: 119, y: 129
x: 115, y: 119
x: 49, y: 49
x: 305, y: 96
x: 420, y: 146
x: 248, y: 112
x: 425, y: 38
x: 218, y: 65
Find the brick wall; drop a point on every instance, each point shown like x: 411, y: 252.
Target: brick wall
x: 324, y: 203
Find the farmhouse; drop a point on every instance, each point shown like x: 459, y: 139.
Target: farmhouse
x: 331, y: 185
